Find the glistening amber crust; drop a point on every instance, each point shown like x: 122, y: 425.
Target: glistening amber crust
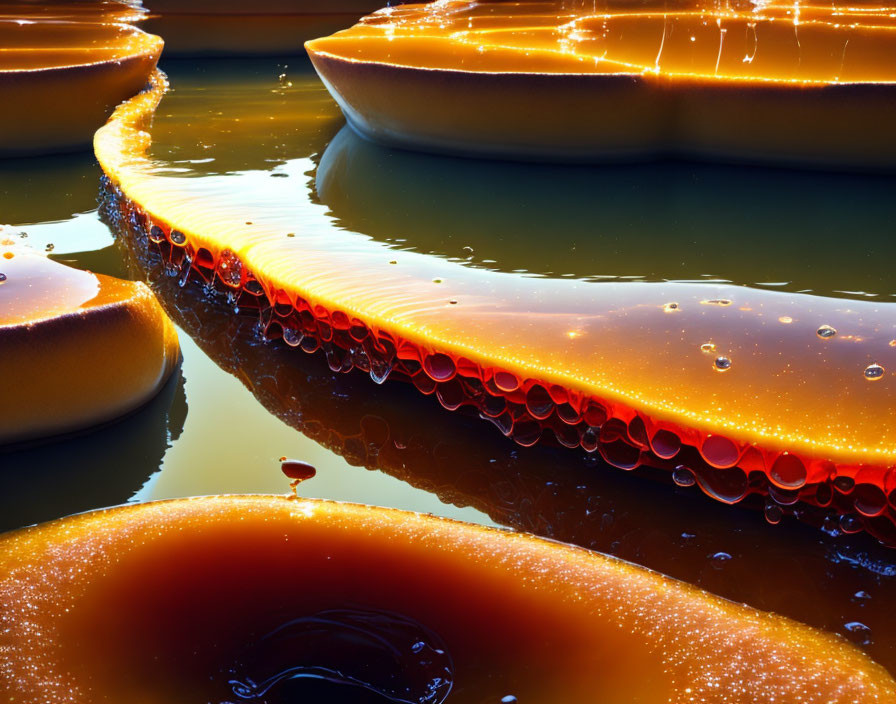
x: 745, y: 376
x: 78, y: 349
x: 203, y: 578
x: 568, y: 81
x: 60, y: 78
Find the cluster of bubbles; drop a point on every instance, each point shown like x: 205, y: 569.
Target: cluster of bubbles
x: 526, y: 410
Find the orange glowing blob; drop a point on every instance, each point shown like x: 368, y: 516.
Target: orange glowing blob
x: 78, y: 349
x: 579, y: 81
x: 204, y: 580
x: 63, y: 67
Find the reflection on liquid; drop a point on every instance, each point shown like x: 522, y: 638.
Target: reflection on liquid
x: 102, y: 467
x: 663, y: 221
x: 827, y: 579
x: 383, y: 654
x: 671, y: 366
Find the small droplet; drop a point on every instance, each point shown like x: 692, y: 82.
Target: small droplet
x: 722, y: 364
x: 509, y: 699
x: 290, y: 234
x: 437, y: 281
x: 297, y: 471
x: 708, y: 347
x: 3, y: 278
x: 291, y: 337
x: 671, y: 308
x: 156, y: 234
x: 892, y: 343
x: 682, y: 476
x: 874, y: 372
x: 50, y: 247
x: 861, y: 596
x: 786, y: 319
x: 720, y: 558
x: 716, y: 302
x: 773, y: 513
x: 452, y: 302
x: 178, y: 237
x: 392, y: 261
x: 858, y: 632
x: 825, y: 331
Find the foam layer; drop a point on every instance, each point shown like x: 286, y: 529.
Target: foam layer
x: 79, y: 349
x: 571, y: 81
x: 498, y: 602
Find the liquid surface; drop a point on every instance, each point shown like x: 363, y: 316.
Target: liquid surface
x: 752, y: 41
x: 222, y: 427
x: 45, y: 43
x: 591, y: 339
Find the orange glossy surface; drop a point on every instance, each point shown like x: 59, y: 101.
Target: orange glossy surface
x: 91, y: 347
x: 583, y: 81
x: 596, y: 626
x: 62, y: 70
x: 737, y: 41
x: 744, y: 375
x: 828, y: 580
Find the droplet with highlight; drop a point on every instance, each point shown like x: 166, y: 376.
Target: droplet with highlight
x: 825, y: 332
x: 873, y: 372
x: 722, y: 364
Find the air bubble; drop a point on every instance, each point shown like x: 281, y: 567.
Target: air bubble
x: 539, y: 402
x: 858, y: 632
x: 722, y: 364
x: 230, y: 269
x: 719, y: 451
x: 773, y: 513
x: 665, y: 444
x: 178, y: 238
x: 825, y: 331
x: 291, y: 337
x: 506, y: 382
x: 788, y: 472
x: 873, y: 372
x: 682, y: 476
x: 440, y: 367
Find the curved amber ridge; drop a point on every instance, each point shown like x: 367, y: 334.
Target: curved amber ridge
x: 309, y: 404
x: 79, y: 349
x: 825, y: 580
x: 603, y: 627
x: 61, y: 74
x: 578, y: 81
x: 668, y: 364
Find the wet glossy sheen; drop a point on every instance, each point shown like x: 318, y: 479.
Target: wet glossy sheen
x: 242, y: 403
x: 599, y: 627
x: 761, y: 41
x: 620, y: 342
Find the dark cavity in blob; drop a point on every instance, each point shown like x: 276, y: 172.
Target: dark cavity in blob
x: 345, y: 655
